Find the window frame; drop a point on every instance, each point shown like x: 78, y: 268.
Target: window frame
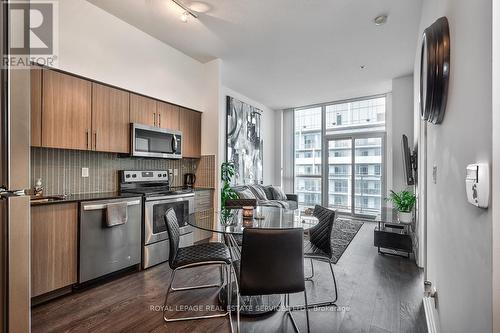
x: 324, y: 138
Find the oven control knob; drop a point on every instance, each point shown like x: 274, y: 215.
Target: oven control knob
x: 134, y: 176
x: 127, y: 176
x: 164, y: 175
x: 159, y: 175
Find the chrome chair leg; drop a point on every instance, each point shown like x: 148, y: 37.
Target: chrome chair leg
x: 171, y: 289
x: 334, y: 282
x: 307, y: 312
x: 309, y: 278
x: 321, y: 304
x: 204, y: 285
x: 237, y: 304
x: 229, y: 295
x: 289, y: 311
x: 166, y: 296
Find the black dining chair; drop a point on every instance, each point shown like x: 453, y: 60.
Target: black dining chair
x: 318, y: 246
x: 195, y: 256
x: 272, y: 262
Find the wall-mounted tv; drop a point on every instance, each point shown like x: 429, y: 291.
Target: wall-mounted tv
x: 409, y: 161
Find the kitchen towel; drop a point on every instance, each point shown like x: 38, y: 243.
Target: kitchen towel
x: 116, y: 214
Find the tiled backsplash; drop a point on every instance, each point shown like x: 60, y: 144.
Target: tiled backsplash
x: 206, y: 174
x: 61, y: 170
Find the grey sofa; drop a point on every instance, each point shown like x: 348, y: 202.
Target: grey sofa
x: 249, y: 195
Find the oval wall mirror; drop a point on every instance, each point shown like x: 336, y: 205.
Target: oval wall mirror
x: 434, y: 71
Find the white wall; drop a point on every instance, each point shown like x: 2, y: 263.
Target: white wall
x: 401, y: 123
x: 496, y: 166
x: 210, y: 117
x: 459, y: 246
x: 96, y: 44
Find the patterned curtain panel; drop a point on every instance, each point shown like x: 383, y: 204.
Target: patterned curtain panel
x: 244, y: 142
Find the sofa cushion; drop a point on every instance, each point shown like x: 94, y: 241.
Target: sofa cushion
x: 278, y: 193
x: 258, y: 191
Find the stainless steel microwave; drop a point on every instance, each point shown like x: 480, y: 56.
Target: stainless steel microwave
x: 149, y: 141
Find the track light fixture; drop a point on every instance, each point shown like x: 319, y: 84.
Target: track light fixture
x: 187, y: 12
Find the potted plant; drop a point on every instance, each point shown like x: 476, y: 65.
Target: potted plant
x: 403, y: 201
x: 227, y: 193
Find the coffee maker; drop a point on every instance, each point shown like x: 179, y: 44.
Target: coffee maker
x: 189, y: 180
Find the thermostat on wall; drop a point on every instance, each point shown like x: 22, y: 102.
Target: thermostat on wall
x: 477, y: 184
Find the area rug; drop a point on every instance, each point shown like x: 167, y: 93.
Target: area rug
x: 344, y: 230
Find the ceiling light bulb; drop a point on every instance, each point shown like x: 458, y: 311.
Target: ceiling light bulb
x: 380, y: 20
x: 184, y: 17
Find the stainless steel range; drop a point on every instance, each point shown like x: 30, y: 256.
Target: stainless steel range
x: 158, y: 197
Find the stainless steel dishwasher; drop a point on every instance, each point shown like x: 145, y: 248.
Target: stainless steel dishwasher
x: 103, y: 249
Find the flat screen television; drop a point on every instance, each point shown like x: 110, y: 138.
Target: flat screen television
x: 408, y: 161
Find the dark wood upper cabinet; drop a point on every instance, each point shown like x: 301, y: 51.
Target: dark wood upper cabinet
x: 66, y: 111
x: 70, y: 112
x: 190, y: 125
x: 110, y: 119
x: 142, y: 110
x: 168, y: 116
x: 36, y: 107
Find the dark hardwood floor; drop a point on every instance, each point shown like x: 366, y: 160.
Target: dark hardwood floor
x: 376, y: 294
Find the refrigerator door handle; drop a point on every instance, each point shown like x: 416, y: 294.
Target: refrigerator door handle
x: 6, y: 194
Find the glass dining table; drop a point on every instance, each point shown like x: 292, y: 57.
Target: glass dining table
x: 230, y: 225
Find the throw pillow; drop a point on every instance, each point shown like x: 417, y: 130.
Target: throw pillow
x: 278, y: 193
x: 269, y: 192
x: 245, y: 194
x: 258, y: 191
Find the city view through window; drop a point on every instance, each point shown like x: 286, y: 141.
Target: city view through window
x: 352, y: 179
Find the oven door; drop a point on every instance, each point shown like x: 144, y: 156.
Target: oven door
x: 149, y: 141
x: 155, y: 228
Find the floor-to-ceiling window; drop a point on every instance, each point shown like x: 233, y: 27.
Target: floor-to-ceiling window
x: 339, y: 155
x: 308, y: 167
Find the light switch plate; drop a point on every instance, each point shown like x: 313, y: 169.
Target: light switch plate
x: 176, y: 172
x: 85, y: 172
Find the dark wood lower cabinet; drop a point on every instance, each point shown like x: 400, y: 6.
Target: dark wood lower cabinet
x: 54, y: 244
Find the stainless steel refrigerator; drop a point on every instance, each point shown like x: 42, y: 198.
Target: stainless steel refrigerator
x: 14, y: 179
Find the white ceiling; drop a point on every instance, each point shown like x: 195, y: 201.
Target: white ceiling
x: 286, y: 53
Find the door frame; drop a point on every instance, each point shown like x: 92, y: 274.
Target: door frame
x: 325, y: 167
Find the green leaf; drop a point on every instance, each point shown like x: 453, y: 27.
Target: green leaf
x: 403, y: 201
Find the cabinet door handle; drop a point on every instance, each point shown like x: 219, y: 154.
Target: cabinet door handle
x: 159, y: 119
x: 95, y: 140
x: 154, y: 119
x: 87, y: 134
